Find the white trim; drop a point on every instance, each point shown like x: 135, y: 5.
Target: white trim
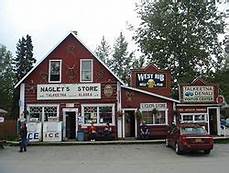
x: 197, y: 104
x: 22, y: 99
x: 81, y: 62
x: 135, y: 121
x: 151, y: 94
x: 45, y: 105
x: 38, y: 63
x: 49, y: 71
x: 193, y: 117
x: 217, y: 119
x: 64, y: 110
x: 99, y: 105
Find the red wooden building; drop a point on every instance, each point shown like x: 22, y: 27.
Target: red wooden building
x: 71, y: 88
x: 200, y: 103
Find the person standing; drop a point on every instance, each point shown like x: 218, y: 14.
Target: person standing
x: 23, y: 136
x: 92, y: 131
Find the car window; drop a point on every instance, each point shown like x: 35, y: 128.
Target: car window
x: 193, y: 130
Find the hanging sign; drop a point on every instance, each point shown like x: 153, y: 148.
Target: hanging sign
x: 68, y: 91
x: 198, y: 94
x: 150, y: 80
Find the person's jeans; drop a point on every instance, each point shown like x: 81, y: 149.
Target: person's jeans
x: 23, y: 144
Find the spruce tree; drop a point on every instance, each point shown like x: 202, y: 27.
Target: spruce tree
x: 121, y: 61
x: 103, y: 51
x: 7, y: 79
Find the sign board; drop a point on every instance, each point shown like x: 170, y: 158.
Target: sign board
x: 68, y: 91
x: 2, y: 119
x: 52, y: 131
x: 150, y: 80
x: 151, y: 106
x: 198, y: 94
x: 34, y: 131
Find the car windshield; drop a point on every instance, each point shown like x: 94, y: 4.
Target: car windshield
x: 193, y: 130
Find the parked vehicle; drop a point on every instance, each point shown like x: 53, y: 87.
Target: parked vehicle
x: 188, y: 137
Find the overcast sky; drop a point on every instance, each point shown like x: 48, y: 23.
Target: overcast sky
x: 48, y: 21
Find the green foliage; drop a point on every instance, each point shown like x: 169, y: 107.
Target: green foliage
x: 181, y: 36
x: 121, y: 61
x: 24, y: 57
x: 103, y: 51
x: 7, y: 79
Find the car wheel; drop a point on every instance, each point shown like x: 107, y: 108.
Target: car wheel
x: 207, y: 151
x: 166, y: 142
x: 177, y: 149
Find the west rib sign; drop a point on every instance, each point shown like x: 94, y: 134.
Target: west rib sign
x: 68, y: 91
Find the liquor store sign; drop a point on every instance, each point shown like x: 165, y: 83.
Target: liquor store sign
x: 198, y: 94
x: 68, y: 91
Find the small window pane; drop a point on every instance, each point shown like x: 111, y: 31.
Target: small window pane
x: 86, y: 70
x: 199, y: 118
x: 187, y: 118
x: 147, y: 117
x: 160, y: 117
x: 50, y: 112
x: 55, y: 71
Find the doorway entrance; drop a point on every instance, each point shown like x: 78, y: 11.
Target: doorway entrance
x: 70, y: 123
x: 129, y: 123
x: 213, y: 121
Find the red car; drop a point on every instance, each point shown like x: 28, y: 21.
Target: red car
x: 188, y: 137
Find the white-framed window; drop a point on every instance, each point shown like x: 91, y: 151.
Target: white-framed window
x: 86, y: 70
x: 193, y: 117
x: 43, y: 112
x: 98, y: 114
x: 55, y: 68
x: 155, y: 119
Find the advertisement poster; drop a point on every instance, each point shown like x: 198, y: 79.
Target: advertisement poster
x: 198, y: 94
x: 52, y: 131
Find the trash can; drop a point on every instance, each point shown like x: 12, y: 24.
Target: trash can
x: 80, y: 136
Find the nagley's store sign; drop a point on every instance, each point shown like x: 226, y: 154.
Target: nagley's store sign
x: 68, y: 91
x: 198, y: 93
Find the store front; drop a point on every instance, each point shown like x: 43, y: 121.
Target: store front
x: 200, y: 104
x: 66, y: 92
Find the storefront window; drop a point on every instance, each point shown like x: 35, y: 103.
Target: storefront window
x: 105, y: 114
x: 50, y: 112
x: 194, y: 118
x: 42, y: 113
x: 98, y: 114
x: 90, y: 114
x: 150, y: 118
x: 35, y: 113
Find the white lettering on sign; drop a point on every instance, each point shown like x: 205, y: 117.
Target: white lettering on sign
x: 68, y: 91
x: 198, y: 93
x: 151, y: 106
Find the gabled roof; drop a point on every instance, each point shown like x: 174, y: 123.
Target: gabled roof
x: 76, y: 37
x: 151, y: 94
